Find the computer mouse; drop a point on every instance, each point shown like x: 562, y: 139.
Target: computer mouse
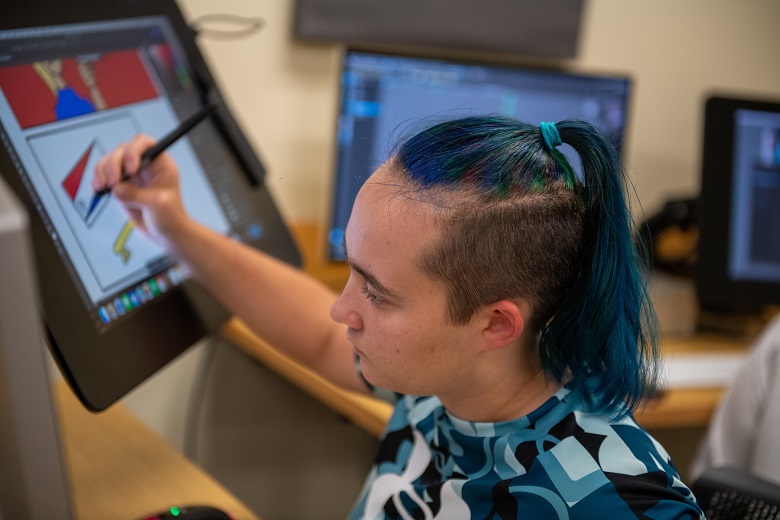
x: 190, y: 513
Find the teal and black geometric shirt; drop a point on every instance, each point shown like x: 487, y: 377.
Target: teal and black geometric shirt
x: 559, y: 462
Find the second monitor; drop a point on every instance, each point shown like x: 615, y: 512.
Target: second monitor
x: 385, y: 96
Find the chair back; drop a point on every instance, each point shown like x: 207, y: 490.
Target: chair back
x: 730, y: 494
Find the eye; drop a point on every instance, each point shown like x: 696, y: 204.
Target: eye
x: 372, y: 297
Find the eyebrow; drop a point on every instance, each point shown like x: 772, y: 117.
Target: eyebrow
x: 372, y: 280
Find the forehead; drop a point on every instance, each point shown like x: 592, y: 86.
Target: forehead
x: 386, y: 223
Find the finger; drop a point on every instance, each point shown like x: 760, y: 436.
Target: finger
x: 135, y: 216
x: 108, y: 169
x: 99, y: 178
x: 132, y: 196
x: 162, y: 165
x: 133, y: 152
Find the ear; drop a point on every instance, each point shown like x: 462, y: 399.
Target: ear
x: 504, y: 323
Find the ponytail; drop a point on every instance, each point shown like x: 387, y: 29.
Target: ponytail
x: 605, y: 329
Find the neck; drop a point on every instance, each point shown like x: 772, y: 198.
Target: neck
x: 503, y: 386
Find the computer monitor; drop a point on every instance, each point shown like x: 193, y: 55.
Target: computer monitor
x: 385, y: 96
x: 548, y: 29
x: 738, y: 264
x: 33, y: 482
x: 77, y: 79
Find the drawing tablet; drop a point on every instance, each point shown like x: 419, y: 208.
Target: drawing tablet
x: 76, y: 80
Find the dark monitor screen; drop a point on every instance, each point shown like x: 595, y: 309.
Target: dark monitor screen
x: 738, y: 266
x: 548, y: 28
x: 73, y: 86
x: 384, y: 97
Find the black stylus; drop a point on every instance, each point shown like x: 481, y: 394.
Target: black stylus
x: 152, y: 153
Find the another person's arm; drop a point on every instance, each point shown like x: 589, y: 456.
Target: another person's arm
x: 743, y: 431
x: 281, y: 304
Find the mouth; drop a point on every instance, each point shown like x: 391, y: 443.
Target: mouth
x: 351, y: 338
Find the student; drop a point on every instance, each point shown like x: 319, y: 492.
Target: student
x: 493, y: 290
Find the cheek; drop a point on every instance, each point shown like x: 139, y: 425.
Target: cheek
x: 390, y: 341
x: 410, y: 342
x: 389, y: 335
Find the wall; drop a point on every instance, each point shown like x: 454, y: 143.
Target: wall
x: 284, y: 95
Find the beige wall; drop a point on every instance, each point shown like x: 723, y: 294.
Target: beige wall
x: 284, y: 93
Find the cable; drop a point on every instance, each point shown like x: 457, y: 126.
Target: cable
x: 198, y: 396
x: 243, y: 26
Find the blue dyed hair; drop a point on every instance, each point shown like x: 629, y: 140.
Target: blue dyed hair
x: 517, y: 222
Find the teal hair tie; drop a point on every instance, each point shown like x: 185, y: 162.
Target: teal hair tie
x: 550, y: 134
x: 552, y: 140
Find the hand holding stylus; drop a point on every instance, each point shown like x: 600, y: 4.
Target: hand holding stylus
x: 153, y: 199
x: 151, y: 153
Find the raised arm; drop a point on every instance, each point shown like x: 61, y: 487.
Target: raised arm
x: 283, y: 305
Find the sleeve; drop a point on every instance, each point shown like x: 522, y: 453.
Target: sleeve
x: 765, y: 461
x: 743, y: 430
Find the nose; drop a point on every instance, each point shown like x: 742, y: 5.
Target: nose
x: 344, y: 309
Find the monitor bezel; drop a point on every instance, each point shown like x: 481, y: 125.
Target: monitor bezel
x: 102, y: 366
x: 716, y: 290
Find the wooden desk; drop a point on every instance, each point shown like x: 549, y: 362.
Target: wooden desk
x: 120, y: 470
x: 688, y: 407
x: 676, y: 407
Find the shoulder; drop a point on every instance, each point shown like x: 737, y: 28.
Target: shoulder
x: 561, y: 462
x: 607, y: 469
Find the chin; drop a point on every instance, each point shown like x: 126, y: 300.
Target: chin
x: 390, y: 383
x: 375, y: 381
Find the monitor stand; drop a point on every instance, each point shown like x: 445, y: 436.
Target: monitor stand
x: 680, y: 315
x: 743, y: 325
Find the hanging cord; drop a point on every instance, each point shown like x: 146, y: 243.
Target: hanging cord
x: 224, y: 26
x: 192, y: 422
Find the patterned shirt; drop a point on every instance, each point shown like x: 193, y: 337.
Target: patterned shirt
x: 557, y: 462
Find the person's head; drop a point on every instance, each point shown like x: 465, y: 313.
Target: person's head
x: 397, y: 313
x: 511, y: 214
x: 514, y: 223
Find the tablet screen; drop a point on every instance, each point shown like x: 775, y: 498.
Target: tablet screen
x: 70, y: 94
x: 77, y: 80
